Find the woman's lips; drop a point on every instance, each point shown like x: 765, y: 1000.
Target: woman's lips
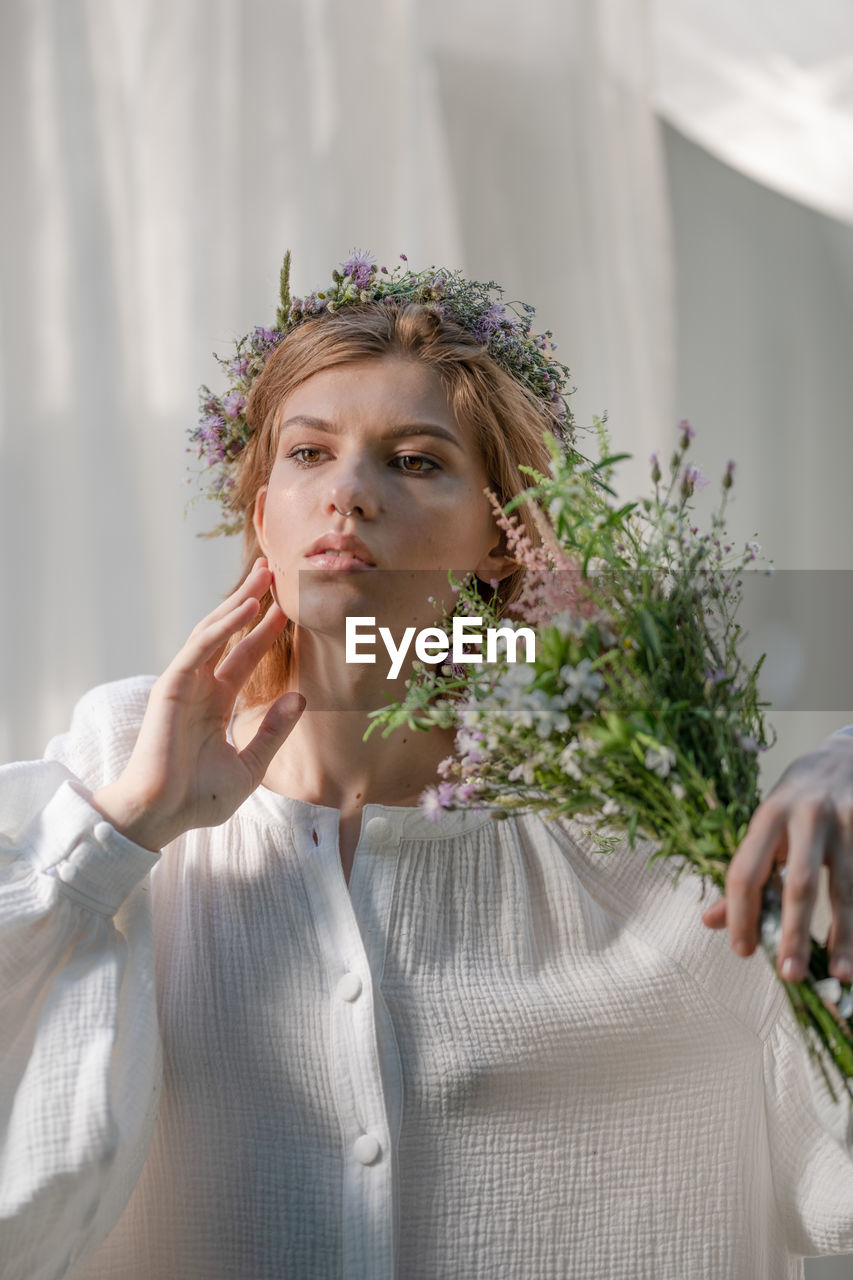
x: 337, y: 560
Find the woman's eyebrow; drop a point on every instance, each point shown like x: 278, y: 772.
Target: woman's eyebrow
x: 393, y: 433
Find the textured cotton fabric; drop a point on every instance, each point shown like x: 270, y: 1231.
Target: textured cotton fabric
x: 498, y: 1053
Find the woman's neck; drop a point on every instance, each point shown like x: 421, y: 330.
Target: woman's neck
x: 325, y: 761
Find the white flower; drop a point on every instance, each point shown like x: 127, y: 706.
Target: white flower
x: 829, y: 989
x: 581, y: 682
x: 471, y: 716
x: 568, y: 762
x: 525, y: 771
x: 609, y: 808
x: 659, y: 760
x: 771, y: 931
x: 677, y: 789
x: 518, y: 674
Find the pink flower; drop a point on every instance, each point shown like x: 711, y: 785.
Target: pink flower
x: 430, y: 805
x: 435, y: 800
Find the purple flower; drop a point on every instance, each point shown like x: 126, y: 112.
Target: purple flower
x: 359, y: 265
x: 691, y: 478
x: 233, y: 404
x: 488, y: 322
x: 314, y: 304
x: 687, y: 432
x: 446, y: 793
x: 264, y: 340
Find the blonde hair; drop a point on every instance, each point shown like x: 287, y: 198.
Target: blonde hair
x: 506, y: 420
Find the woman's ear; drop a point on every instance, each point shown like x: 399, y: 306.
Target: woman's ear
x: 496, y: 563
x: 258, y: 517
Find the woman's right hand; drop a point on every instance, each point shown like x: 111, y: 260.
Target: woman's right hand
x: 183, y: 772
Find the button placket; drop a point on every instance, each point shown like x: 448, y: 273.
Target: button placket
x: 368, y: 1190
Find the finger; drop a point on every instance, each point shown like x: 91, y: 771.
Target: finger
x: 239, y: 664
x: 750, y: 869
x: 840, y: 862
x: 715, y: 915
x: 808, y: 830
x: 207, y: 644
x: 274, y: 729
x: 255, y: 583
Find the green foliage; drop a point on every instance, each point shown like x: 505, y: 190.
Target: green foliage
x: 639, y: 716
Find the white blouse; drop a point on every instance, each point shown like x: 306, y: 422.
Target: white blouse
x: 498, y: 1053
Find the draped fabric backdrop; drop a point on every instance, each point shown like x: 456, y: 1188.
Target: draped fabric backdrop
x: 671, y: 184
x: 159, y: 157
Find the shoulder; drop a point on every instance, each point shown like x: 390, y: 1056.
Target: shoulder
x: 104, y: 726
x: 661, y: 906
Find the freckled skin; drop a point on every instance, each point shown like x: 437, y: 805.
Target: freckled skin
x: 356, y: 438
x: 419, y: 501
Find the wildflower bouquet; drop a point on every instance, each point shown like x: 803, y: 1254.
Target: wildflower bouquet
x: 638, y: 716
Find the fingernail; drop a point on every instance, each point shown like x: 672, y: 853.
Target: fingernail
x: 842, y: 968
x: 791, y: 969
x: 741, y: 947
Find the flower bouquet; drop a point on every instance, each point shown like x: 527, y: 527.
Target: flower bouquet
x: 638, y: 716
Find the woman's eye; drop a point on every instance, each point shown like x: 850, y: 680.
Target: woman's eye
x: 301, y: 461
x: 423, y: 465
x: 426, y: 464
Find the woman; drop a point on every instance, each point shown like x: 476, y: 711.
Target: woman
x: 327, y: 1036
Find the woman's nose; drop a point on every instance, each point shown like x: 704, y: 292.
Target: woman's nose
x: 354, y: 491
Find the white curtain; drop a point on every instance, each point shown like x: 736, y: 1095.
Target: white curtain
x: 159, y: 156
x: 765, y: 86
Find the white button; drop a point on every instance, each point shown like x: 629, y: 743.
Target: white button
x: 64, y: 871
x: 102, y: 832
x: 349, y: 987
x: 366, y: 1149
x: 379, y: 830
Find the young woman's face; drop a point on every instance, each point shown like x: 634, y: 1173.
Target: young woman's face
x: 376, y: 438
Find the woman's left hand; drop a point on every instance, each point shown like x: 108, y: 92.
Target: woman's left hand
x: 805, y: 821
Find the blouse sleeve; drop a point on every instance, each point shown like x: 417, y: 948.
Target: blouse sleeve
x: 811, y: 1146
x: 80, y: 1058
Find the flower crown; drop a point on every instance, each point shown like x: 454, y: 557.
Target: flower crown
x: 504, y: 329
